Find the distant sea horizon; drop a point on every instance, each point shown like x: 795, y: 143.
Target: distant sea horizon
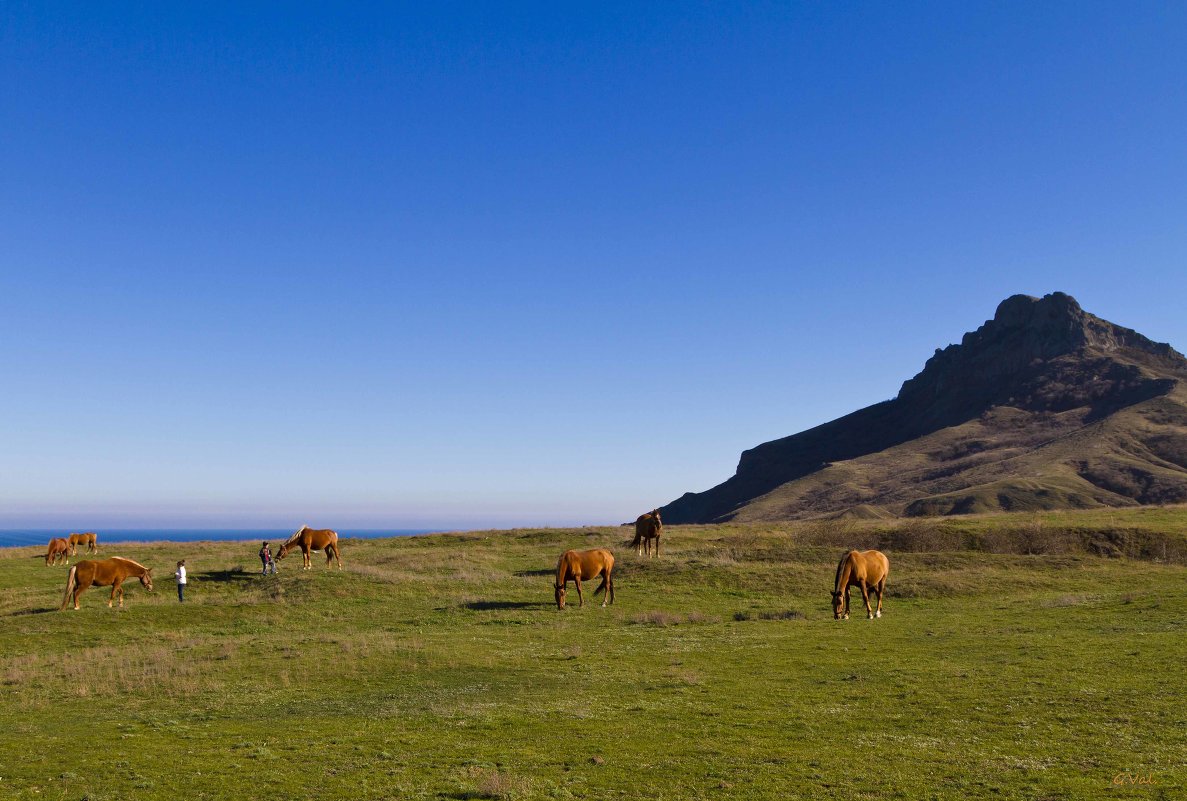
x: 12, y: 538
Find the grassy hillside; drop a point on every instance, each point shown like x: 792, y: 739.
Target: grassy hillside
x: 1003, y: 460
x: 437, y: 667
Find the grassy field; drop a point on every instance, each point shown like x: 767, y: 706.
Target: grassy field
x: 437, y: 667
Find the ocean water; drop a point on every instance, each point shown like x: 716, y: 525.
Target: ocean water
x: 16, y: 537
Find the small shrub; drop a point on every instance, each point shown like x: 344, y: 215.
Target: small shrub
x: 655, y: 618
x: 490, y: 783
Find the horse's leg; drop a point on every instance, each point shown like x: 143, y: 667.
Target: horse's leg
x: 115, y: 585
x: 580, y: 597
x: 881, y: 587
x: 865, y: 596
x: 609, y: 586
x: 657, y: 546
x: 845, y: 609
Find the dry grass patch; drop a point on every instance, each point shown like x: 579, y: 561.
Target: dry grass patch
x: 107, y: 671
x: 495, y: 784
x: 664, y: 619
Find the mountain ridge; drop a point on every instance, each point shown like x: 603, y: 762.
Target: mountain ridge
x: 977, y: 429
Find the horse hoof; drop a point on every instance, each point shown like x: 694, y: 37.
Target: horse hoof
x: 878, y: 614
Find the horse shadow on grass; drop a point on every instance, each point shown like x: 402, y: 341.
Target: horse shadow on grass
x: 236, y: 574
x: 548, y: 571
x: 22, y: 612
x: 486, y: 606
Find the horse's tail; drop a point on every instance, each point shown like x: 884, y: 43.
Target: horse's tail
x: 641, y: 527
x: 71, y: 583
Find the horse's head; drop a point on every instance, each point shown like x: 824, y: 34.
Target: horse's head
x: 838, y: 604
x: 560, y: 597
x: 146, y: 579
x: 655, y: 514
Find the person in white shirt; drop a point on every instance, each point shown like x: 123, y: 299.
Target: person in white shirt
x: 180, y: 576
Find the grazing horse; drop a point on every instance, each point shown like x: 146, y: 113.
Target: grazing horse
x: 88, y: 539
x: 579, y: 565
x: 648, y: 527
x: 58, y: 549
x: 102, y: 572
x: 865, y: 569
x: 313, y: 539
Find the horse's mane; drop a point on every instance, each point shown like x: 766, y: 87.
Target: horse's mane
x: 840, y: 567
x: 293, y: 539
x: 129, y: 561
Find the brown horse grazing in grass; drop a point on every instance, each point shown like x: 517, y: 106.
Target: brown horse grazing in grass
x: 58, y: 549
x: 579, y: 565
x: 865, y: 569
x: 648, y: 527
x: 102, y: 572
x: 313, y: 539
x: 88, y: 539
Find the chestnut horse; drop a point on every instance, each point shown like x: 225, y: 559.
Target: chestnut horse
x: 58, y: 549
x: 313, y: 539
x: 648, y: 527
x: 102, y: 572
x: 88, y: 539
x: 579, y: 565
x: 866, y: 569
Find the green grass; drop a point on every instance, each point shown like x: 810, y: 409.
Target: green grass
x: 438, y: 667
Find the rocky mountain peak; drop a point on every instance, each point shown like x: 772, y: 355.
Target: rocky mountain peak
x: 1025, y: 332
x: 1014, y: 416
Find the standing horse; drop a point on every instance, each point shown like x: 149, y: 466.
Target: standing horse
x: 58, y: 549
x: 88, y: 539
x: 865, y: 569
x: 102, y: 572
x: 579, y: 565
x: 648, y: 527
x: 313, y: 539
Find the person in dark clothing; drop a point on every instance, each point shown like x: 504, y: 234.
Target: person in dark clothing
x: 267, y: 560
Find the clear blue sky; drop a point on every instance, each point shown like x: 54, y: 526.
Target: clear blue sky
x: 552, y: 263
